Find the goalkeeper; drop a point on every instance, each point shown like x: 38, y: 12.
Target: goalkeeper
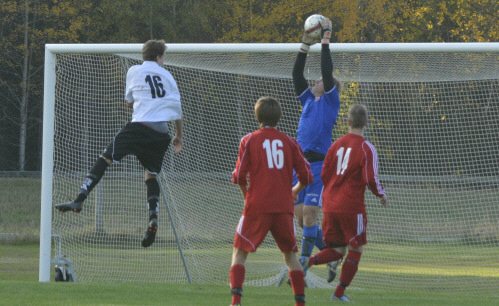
x: 153, y: 94
x: 321, y: 104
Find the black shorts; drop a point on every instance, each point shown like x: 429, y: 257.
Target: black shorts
x: 148, y: 145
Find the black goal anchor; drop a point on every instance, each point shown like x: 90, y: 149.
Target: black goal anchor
x: 63, y: 267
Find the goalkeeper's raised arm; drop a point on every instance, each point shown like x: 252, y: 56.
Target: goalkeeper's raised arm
x: 299, y: 80
x: 326, y: 61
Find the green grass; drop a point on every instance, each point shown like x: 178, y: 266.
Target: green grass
x: 19, y: 286
x: 20, y: 205
x: 32, y: 293
x: 421, y: 277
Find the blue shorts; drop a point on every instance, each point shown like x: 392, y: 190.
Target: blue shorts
x: 312, y: 194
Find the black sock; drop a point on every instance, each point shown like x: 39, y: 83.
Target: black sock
x: 153, y: 197
x: 92, y: 179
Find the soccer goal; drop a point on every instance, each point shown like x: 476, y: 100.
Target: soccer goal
x: 433, y: 117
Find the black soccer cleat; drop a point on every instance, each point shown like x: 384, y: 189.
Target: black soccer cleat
x: 70, y: 206
x: 152, y: 228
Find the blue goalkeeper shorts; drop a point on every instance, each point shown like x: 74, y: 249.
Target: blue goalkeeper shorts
x: 311, y: 195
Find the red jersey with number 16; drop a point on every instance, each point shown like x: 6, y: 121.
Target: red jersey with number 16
x: 269, y: 157
x: 351, y: 164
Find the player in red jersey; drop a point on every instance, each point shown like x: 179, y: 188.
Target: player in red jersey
x: 269, y: 157
x: 351, y: 164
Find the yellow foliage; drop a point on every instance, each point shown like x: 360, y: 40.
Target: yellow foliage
x: 364, y: 21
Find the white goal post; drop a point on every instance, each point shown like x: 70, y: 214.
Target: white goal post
x: 434, y: 117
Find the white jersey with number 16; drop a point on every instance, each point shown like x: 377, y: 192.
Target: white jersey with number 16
x: 154, y: 93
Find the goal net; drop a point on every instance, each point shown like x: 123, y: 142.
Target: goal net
x: 434, y: 119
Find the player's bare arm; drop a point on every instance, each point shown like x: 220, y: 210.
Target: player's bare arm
x: 128, y: 104
x: 296, y: 190
x: 178, y: 139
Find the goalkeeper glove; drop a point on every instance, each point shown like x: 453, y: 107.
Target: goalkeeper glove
x: 326, y: 26
x: 307, y: 41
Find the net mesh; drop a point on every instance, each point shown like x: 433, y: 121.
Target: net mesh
x: 433, y: 119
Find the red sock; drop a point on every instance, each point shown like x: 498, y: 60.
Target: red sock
x: 348, y: 270
x: 236, y: 277
x: 324, y: 256
x: 297, y: 278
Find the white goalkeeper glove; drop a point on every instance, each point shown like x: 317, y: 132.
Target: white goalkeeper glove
x: 326, y: 26
x: 307, y: 41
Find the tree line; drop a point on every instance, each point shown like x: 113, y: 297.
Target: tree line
x: 27, y: 25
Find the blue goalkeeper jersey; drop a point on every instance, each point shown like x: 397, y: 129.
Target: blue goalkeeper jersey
x: 317, y: 120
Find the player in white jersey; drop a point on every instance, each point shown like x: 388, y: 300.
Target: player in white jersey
x: 153, y: 94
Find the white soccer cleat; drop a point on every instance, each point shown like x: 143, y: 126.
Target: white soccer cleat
x: 343, y: 298
x: 332, y: 267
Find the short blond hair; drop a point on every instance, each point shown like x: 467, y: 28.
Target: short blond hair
x: 152, y: 49
x: 268, y: 111
x: 357, y: 115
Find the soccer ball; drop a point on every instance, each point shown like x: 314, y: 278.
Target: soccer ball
x: 313, y: 26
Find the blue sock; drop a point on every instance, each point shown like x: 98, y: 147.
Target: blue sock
x: 308, y: 241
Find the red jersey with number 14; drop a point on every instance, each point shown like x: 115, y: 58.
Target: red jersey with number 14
x: 350, y: 165
x: 269, y: 157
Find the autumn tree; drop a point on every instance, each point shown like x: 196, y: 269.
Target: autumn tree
x: 27, y: 25
x: 360, y: 20
x: 25, y: 28
x: 132, y: 21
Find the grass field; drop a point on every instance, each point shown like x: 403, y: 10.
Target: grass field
x: 17, y: 218
x: 19, y: 286
x: 424, y: 277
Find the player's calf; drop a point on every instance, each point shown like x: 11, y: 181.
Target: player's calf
x: 303, y: 260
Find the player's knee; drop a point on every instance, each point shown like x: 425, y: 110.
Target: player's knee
x: 309, y: 220
x: 310, y: 213
x: 356, y: 242
x: 149, y: 176
x: 239, y: 256
x: 108, y: 161
x: 341, y: 251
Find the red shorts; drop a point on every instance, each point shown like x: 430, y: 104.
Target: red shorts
x: 345, y: 228
x: 252, y: 230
